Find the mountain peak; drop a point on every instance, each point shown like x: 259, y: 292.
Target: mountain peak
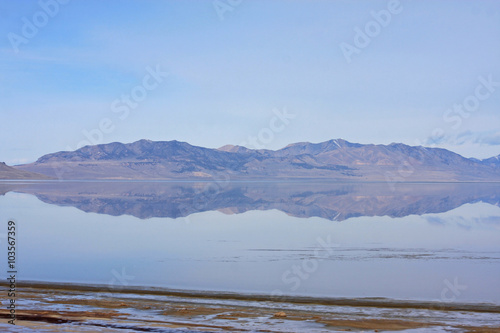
x: 492, y: 161
x: 316, y: 148
x: 233, y: 149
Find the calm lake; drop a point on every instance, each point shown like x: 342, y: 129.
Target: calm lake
x: 438, y: 242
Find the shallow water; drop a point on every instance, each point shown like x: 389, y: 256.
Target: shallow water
x: 433, y: 242
x: 91, y: 308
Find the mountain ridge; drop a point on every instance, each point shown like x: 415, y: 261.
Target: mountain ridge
x: 335, y: 159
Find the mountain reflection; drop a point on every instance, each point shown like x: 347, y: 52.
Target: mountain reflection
x: 332, y: 201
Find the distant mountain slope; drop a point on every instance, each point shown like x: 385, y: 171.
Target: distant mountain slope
x: 334, y: 159
x: 7, y: 172
x: 492, y: 161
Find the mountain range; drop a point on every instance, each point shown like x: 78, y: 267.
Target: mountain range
x: 333, y: 160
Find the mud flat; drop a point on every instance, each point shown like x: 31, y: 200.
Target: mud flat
x: 75, y: 308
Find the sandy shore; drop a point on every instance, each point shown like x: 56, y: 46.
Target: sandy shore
x: 72, y: 308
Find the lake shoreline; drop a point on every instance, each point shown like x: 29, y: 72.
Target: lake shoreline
x: 59, y: 307
x: 377, y: 302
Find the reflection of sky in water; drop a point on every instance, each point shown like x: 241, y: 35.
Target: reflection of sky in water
x: 409, y: 257
x: 469, y: 216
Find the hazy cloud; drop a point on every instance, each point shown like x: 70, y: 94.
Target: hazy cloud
x: 489, y: 138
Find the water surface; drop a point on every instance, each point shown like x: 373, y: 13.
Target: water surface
x: 436, y: 242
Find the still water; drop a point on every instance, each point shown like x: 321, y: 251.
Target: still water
x: 406, y: 241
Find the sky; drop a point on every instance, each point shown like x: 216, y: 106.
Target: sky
x: 258, y: 73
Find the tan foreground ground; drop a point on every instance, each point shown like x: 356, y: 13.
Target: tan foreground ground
x: 68, y: 308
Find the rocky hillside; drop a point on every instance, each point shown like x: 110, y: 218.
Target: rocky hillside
x: 7, y: 172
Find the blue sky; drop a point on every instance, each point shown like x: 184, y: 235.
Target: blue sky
x: 428, y: 75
